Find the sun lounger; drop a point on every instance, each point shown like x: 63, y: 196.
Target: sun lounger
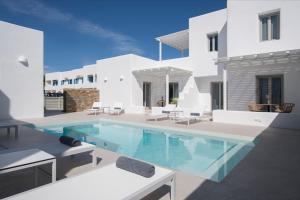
x: 117, y: 108
x: 108, y: 182
x: 156, y: 113
x: 96, y: 108
x: 60, y: 150
x: 188, y: 116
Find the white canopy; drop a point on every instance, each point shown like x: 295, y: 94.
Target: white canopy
x: 178, y: 40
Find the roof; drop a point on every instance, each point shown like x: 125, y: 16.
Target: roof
x: 178, y: 40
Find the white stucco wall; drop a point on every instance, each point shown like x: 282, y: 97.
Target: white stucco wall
x: 243, y: 26
x: 199, y: 27
x: 72, y: 74
x: 21, y: 87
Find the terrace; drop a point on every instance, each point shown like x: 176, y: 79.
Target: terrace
x: 257, y: 175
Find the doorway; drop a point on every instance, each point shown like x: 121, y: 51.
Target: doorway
x: 269, y: 89
x: 217, y: 95
x: 173, y: 91
x: 147, y: 94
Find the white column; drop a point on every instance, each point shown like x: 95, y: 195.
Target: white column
x: 160, y: 51
x: 167, y: 88
x: 224, y: 88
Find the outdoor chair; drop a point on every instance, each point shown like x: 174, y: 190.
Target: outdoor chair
x: 96, y: 108
x: 285, y: 108
x: 117, y: 108
x: 156, y: 114
x: 108, y: 182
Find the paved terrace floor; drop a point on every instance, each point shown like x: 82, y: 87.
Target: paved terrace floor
x: 270, y: 171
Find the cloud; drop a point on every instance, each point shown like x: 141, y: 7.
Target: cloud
x: 121, y: 43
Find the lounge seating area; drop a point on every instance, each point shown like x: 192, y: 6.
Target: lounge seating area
x: 144, y: 178
x: 177, y: 114
x: 116, y: 109
x: 280, y: 108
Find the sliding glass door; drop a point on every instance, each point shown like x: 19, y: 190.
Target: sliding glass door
x: 270, y: 89
x: 147, y: 94
x: 173, y: 91
x: 217, y: 95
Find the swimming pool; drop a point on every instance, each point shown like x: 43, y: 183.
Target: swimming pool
x: 197, y: 154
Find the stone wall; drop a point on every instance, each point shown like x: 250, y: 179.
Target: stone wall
x: 77, y: 100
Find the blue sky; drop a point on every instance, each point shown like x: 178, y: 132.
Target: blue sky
x: 78, y: 32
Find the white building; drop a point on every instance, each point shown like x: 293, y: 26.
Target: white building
x: 21, y: 72
x: 246, y: 52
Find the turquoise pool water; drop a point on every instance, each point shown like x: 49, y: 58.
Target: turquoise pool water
x: 197, y: 154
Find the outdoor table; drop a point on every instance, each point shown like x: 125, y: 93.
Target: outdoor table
x: 24, y: 159
x: 8, y: 127
x: 269, y: 106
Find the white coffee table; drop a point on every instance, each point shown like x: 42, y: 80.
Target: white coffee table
x: 19, y: 160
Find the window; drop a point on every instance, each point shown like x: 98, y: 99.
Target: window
x: 270, y: 89
x: 54, y: 82
x: 90, y: 78
x: 70, y: 81
x: 78, y: 80
x: 212, y: 42
x: 62, y: 82
x: 270, y: 26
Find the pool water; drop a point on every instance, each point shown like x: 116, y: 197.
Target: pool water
x: 196, y: 154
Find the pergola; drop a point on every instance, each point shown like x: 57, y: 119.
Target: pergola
x: 277, y: 57
x: 164, y: 71
x: 178, y: 40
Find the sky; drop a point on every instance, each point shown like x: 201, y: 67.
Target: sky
x: 79, y: 32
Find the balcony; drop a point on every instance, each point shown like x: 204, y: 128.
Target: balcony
x: 178, y: 40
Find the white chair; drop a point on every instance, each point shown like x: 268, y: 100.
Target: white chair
x: 168, y: 109
x: 108, y: 182
x: 117, y: 108
x: 96, y: 108
x: 60, y: 150
x: 156, y: 113
x: 187, y: 116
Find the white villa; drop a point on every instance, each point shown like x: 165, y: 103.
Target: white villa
x: 247, y: 52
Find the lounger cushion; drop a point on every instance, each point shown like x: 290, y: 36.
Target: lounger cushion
x: 72, y: 142
x: 136, y: 166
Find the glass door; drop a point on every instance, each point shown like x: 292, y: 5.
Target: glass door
x: 270, y: 89
x: 217, y: 95
x: 147, y: 94
x: 173, y: 91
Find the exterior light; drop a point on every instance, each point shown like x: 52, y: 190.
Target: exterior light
x: 23, y: 60
x: 105, y: 79
x: 121, y: 78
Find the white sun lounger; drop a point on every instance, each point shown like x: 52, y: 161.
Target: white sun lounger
x: 156, y: 113
x: 58, y: 149
x: 96, y: 108
x: 187, y: 116
x: 109, y: 183
x: 117, y: 108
